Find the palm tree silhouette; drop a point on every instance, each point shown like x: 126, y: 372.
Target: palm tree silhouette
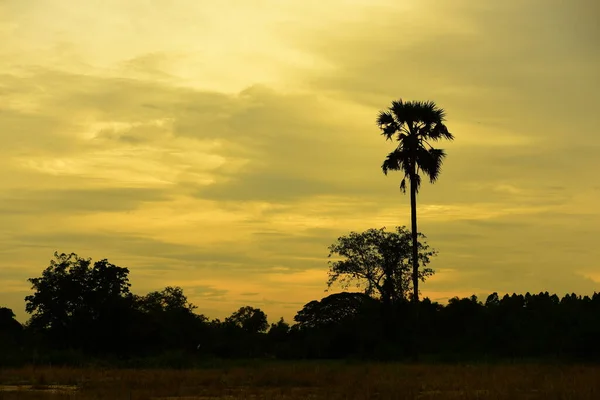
x: 414, y: 124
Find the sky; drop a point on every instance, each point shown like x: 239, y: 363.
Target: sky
x: 222, y: 146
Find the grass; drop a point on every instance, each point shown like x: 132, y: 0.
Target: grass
x: 307, y: 380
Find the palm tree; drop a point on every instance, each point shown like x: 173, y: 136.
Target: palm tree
x: 414, y: 124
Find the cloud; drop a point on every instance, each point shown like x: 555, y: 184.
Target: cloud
x: 483, y: 61
x: 225, y: 156
x: 206, y: 292
x: 73, y: 201
x: 174, y: 256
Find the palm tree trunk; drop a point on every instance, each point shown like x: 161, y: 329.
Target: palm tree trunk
x: 415, y: 262
x: 415, y: 242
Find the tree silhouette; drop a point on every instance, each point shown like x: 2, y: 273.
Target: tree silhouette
x: 84, y: 313
x: 279, y: 330
x: 377, y: 261
x: 169, y: 320
x: 250, y: 319
x: 11, y: 337
x: 8, y: 321
x: 332, y: 310
x: 340, y: 325
x: 414, y: 124
x: 78, y: 303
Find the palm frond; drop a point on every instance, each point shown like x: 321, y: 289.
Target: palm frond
x: 395, y: 161
x: 385, y: 118
x: 439, y: 131
x: 412, y: 112
x: 431, y: 113
x: 387, y: 124
x: 403, y: 112
x: 430, y: 162
x: 403, y: 185
x: 417, y: 182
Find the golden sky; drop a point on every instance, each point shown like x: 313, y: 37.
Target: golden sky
x: 221, y: 146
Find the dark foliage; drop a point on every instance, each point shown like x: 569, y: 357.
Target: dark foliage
x: 77, y: 305
x: 83, y: 313
x: 379, y: 262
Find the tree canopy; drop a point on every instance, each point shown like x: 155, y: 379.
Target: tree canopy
x: 414, y: 124
x: 378, y: 261
x: 78, y: 302
x: 250, y: 319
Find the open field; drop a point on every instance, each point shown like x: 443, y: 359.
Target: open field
x: 307, y: 380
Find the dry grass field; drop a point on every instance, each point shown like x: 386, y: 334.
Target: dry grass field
x: 310, y: 380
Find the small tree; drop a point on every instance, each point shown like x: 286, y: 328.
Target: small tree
x: 333, y: 310
x: 379, y: 262
x: 250, y: 319
x: 170, y: 299
x: 11, y: 337
x: 8, y: 323
x: 279, y: 331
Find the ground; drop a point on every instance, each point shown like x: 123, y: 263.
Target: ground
x: 307, y: 380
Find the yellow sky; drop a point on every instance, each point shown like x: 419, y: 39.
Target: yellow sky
x: 222, y: 146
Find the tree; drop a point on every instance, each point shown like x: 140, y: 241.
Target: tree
x: 11, y: 337
x: 414, y: 124
x: 8, y: 323
x: 166, y: 320
x: 250, y: 319
x: 333, y: 310
x: 74, y: 300
x: 9, y: 326
x: 279, y: 331
x: 170, y: 299
x: 379, y: 262
x: 169, y: 320
x: 340, y: 324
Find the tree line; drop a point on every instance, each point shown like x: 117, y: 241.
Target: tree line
x: 83, y: 310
